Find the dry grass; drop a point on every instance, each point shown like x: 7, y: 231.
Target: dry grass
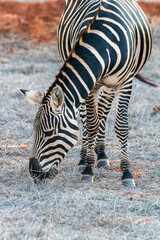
x: 66, y: 209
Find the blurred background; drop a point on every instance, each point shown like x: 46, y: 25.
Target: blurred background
x: 39, y: 19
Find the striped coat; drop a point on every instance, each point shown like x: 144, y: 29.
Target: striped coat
x: 109, y: 52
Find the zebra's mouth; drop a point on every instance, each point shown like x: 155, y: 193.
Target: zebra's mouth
x: 38, y: 174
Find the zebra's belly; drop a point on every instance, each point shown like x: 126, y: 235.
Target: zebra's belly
x: 112, y: 81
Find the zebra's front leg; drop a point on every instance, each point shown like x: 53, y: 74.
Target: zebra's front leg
x: 122, y: 130
x: 104, y: 106
x: 82, y: 164
x: 92, y: 125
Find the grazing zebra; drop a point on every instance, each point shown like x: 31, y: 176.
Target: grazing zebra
x: 74, y: 20
x: 109, y: 52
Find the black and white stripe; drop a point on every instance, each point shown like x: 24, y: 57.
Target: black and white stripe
x: 109, y: 52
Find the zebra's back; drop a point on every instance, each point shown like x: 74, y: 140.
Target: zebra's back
x: 74, y: 20
x: 120, y: 36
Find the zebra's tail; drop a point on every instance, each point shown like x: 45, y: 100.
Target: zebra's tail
x: 146, y: 80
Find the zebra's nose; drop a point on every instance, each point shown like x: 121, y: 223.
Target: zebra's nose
x: 33, y: 165
x: 37, y: 173
x: 35, y: 169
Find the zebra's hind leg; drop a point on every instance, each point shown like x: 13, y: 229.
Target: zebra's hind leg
x: 92, y: 125
x: 104, y: 106
x: 122, y: 129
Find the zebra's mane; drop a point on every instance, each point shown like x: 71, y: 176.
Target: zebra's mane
x: 81, y: 36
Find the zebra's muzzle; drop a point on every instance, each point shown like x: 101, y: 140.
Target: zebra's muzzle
x: 37, y: 173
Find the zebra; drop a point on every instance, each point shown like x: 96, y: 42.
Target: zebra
x: 109, y: 52
x: 74, y: 20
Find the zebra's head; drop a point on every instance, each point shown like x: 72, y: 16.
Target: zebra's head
x: 55, y: 132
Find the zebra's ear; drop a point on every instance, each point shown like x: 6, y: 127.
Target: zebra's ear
x: 34, y: 97
x: 66, y: 2
x: 57, y: 97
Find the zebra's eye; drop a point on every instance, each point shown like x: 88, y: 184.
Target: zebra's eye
x: 48, y: 133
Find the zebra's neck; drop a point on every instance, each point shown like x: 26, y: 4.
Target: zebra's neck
x: 78, y: 75
x: 76, y: 80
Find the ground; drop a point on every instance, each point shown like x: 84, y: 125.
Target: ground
x: 65, y: 208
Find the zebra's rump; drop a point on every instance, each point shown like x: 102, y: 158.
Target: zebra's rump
x: 122, y: 31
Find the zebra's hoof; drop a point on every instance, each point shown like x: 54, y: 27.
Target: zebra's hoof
x: 103, y: 163
x: 81, y: 168
x: 128, y: 183
x: 87, y: 178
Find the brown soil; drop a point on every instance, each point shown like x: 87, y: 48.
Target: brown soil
x: 151, y: 8
x: 40, y: 20
x: 37, y: 20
